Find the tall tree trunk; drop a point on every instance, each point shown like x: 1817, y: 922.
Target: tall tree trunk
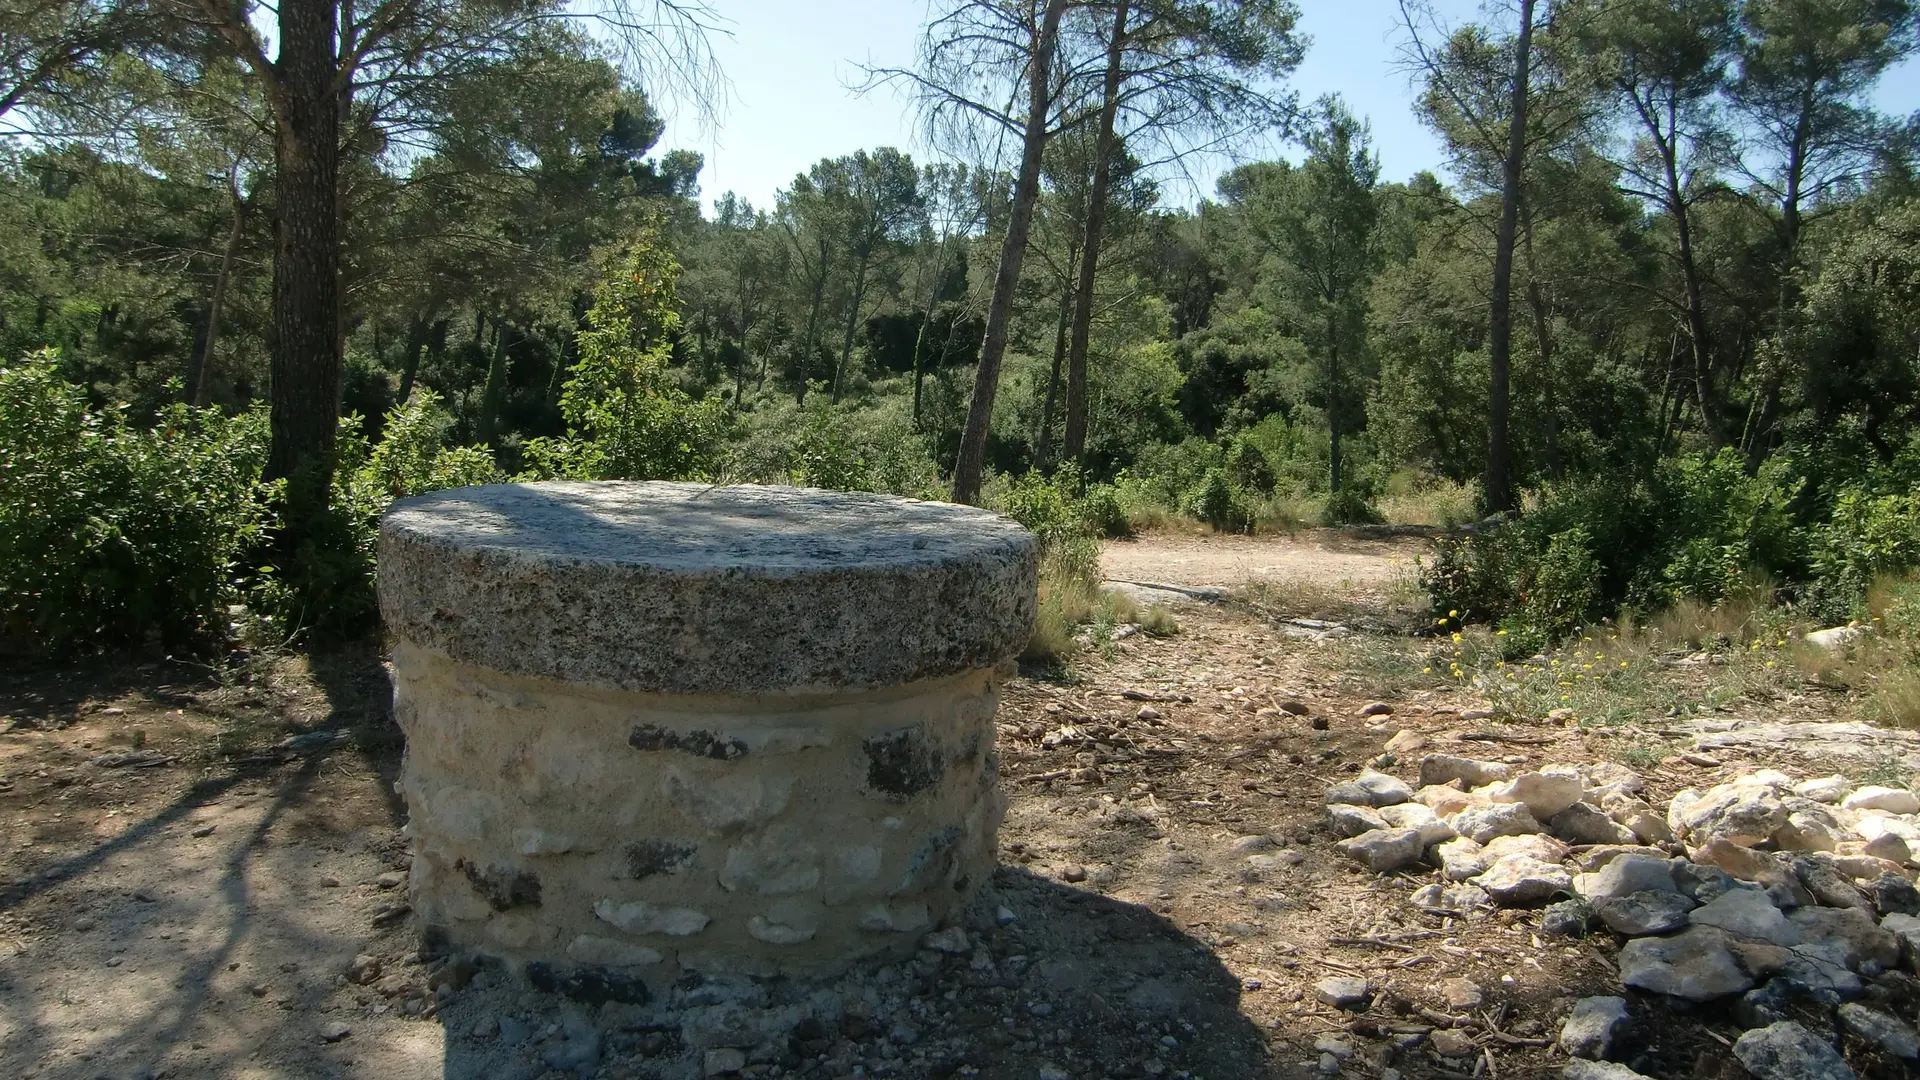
x: 306, y: 365
x: 1499, y: 482
x: 1697, y: 332
x: 199, y: 386
x: 813, y: 326
x: 496, y: 385
x: 1043, y: 439
x: 853, y: 323
x: 1543, y: 337
x: 1103, y: 154
x: 920, y: 339
x: 1333, y: 404
x: 410, y: 361
x: 1026, y: 189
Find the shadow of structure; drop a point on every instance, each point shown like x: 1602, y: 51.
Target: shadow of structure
x: 1053, y: 981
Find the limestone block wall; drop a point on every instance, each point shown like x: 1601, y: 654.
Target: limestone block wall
x: 643, y: 833
x: 605, y: 807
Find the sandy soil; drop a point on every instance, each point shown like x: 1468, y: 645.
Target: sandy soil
x: 1319, y: 557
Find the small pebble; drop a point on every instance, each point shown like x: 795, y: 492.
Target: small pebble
x: 1075, y: 873
x: 333, y: 1031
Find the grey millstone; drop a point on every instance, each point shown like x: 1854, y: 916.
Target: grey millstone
x: 1642, y: 913
x: 1787, y: 1051
x: 1895, y: 1037
x: 1595, y: 1028
x: 1695, y: 964
x: 691, y: 588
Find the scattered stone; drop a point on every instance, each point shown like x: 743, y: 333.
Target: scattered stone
x: 1607, y: 776
x: 1342, y: 992
x: 1051, y: 1071
x: 1351, y: 820
x: 1421, y: 819
x: 1074, y: 873
x: 1827, y: 884
x: 952, y: 941
x: 1642, y: 913
x: 1633, y: 814
x: 1484, y: 823
x: 1296, y: 708
x: 1583, y: 823
x: 203, y: 832
x: 1891, y: 847
x: 1807, y: 832
x: 1446, y: 800
x: 1834, y: 639
x: 329, y: 882
x: 1147, y: 712
x: 1451, y: 899
x: 1864, y: 946
x: 1544, y: 793
x: 1471, y: 716
x: 1461, y: 859
x: 1874, y: 797
x: 363, y: 970
x: 1787, y: 1051
x: 1745, y: 864
x: 1517, y: 880
x: 1450, y: 1043
x: 723, y: 1061
x: 1460, y: 994
x: 1385, y: 789
x: 1595, y: 1028
x: 1627, y: 874
x: 513, y: 1031
x: 580, y: 1053
x: 1406, y: 741
x: 1778, y: 999
x: 1539, y: 845
x: 1749, y: 914
x: 333, y: 1031
x: 1335, y: 1045
x: 1906, y: 930
x: 1823, y: 789
x: 1439, y: 769
x: 1695, y: 964
x: 1739, y: 813
x: 1384, y: 850
x: 1892, y: 1035
x: 1592, y: 860
x: 392, y: 879
x: 1568, y: 918
x: 1375, y: 708
x: 1582, y: 1069
x: 1866, y: 868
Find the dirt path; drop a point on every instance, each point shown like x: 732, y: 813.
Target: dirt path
x: 1322, y: 558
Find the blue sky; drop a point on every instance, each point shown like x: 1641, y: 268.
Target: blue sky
x: 791, y: 62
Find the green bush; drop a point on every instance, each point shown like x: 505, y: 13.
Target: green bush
x: 1219, y: 502
x: 1561, y: 591
x: 626, y: 419
x: 1352, y: 505
x: 1104, y: 511
x: 110, y: 533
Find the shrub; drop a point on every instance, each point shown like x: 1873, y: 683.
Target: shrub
x: 1219, y: 502
x: 1103, y: 512
x: 1351, y: 505
x: 626, y: 419
x: 1562, y: 590
x: 110, y: 533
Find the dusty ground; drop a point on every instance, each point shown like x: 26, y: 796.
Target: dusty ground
x: 1324, y: 558
x: 1174, y: 890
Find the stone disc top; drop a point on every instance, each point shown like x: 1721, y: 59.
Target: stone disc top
x: 691, y: 588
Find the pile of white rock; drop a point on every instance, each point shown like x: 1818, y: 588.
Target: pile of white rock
x: 1784, y: 893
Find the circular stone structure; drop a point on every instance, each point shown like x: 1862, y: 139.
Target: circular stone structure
x: 655, y: 728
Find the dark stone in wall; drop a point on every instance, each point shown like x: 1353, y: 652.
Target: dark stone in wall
x: 706, y: 744
x: 903, y: 763
x: 504, y: 888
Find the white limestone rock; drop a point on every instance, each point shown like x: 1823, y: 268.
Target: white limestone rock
x: 1890, y: 799
x: 1436, y: 769
x: 1518, y: 880
x: 1484, y: 823
x: 1545, y: 793
x: 1461, y: 859
x: 1383, y: 850
x: 1824, y: 789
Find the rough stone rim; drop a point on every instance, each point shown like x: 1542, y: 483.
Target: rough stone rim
x: 658, y: 622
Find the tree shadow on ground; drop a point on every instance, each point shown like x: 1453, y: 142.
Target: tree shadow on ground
x: 1055, y: 977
